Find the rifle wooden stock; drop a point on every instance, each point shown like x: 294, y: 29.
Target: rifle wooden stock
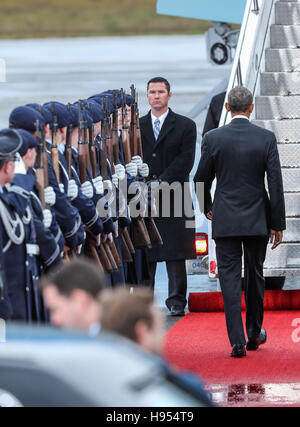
x: 55, y: 160
x: 40, y: 180
x: 91, y: 251
x: 153, y: 232
x: 128, y: 240
x: 110, y: 256
x: 104, y: 259
x: 115, y: 144
x: 82, y: 160
x: 115, y: 253
x: 140, y: 236
x: 94, y: 255
x: 126, y: 255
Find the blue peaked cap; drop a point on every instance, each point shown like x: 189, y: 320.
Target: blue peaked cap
x: 25, y: 117
x: 61, y: 112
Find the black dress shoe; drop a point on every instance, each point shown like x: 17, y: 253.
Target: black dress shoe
x: 176, y: 311
x: 253, y: 345
x: 238, y: 350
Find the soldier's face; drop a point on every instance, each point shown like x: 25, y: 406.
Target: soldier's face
x: 158, y: 96
x: 97, y: 128
x: 10, y: 171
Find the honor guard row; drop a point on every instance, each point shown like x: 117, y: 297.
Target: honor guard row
x: 64, y: 172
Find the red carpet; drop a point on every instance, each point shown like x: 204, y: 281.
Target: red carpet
x: 199, y: 343
x: 274, y: 300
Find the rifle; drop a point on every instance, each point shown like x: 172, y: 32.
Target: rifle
x: 115, y: 131
x: 83, y: 148
x: 133, y: 123
x: 68, y: 150
x: 40, y: 171
x: 140, y: 236
x: 152, y: 229
x: 125, y: 131
x: 54, y: 148
x: 83, y: 158
x: 108, y: 136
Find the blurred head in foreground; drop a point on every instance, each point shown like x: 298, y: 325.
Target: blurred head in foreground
x: 71, y: 293
x: 133, y: 316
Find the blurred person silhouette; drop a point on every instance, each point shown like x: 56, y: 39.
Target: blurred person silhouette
x: 134, y: 316
x: 71, y: 293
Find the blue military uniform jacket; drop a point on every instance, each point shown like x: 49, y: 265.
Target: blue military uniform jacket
x: 67, y: 215
x: 85, y: 206
x: 19, y: 244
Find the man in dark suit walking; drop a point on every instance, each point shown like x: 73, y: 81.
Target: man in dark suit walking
x: 169, y: 141
x: 243, y: 217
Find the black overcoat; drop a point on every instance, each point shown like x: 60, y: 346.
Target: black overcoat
x: 170, y: 159
x: 240, y: 155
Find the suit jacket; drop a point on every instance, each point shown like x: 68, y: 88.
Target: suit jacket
x: 240, y: 155
x: 170, y: 159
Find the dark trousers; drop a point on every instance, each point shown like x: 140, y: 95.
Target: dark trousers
x: 177, y: 282
x: 229, y: 257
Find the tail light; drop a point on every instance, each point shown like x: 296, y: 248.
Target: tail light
x: 201, y: 244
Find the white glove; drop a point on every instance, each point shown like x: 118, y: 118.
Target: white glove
x: 98, y: 183
x: 72, y: 189
x: 87, y: 189
x: 115, y: 180
x: 110, y: 237
x: 132, y: 169
x: 47, y: 220
x: 120, y: 171
x: 143, y: 210
x: 153, y: 208
x: 62, y: 188
x: 137, y: 161
x: 116, y: 229
x: 108, y: 185
x: 144, y: 170
x: 50, y: 196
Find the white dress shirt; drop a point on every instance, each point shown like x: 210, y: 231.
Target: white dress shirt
x: 240, y: 116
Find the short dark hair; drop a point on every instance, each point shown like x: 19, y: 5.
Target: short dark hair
x: 77, y: 274
x: 240, y: 99
x: 122, y: 310
x: 159, y: 80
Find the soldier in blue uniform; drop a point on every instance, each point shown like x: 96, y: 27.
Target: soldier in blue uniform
x: 67, y: 215
x: 19, y: 237
x: 71, y: 184
x: 50, y: 251
x: 96, y: 113
x: 10, y: 222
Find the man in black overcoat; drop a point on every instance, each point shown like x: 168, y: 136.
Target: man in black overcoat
x: 169, y: 142
x: 214, y: 113
x: 243, y: 215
